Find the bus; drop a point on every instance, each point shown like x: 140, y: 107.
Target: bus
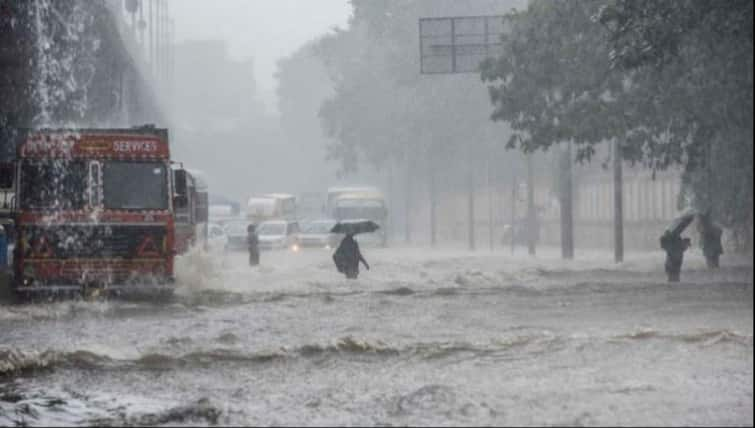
x: 364, y: 203
x: 335, y: 192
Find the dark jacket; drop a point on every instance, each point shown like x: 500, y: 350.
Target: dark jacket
x: 252, y: 241
x: 348, y: 256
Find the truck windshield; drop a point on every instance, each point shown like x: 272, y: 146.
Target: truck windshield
x: 56, y: 184
x: 135, y: 186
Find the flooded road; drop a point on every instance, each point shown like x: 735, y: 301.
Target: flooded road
x: 425, y: 338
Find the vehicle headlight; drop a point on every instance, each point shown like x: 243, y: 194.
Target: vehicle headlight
x: 29, y: 275
x: 295, y: 248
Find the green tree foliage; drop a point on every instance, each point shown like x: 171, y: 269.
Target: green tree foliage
x: 691, y: 61
x: 552, y: 82
x: 672, y: 80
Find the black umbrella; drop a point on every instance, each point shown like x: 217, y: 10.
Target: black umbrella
x: 353, y: 227
x: 680, y: 223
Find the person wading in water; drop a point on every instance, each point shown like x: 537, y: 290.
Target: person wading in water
x: 348, y: 256
x: 253, y: 242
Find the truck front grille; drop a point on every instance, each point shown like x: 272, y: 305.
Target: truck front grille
x: 94, y: 241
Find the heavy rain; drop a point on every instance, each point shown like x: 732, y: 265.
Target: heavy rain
x: 376, y: 212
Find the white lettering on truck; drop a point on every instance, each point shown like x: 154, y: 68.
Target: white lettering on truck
x: 134, y: 146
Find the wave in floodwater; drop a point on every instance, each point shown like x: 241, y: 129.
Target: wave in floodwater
x: 51, y: 409
x: 14, y: 362
x: 201, y: 291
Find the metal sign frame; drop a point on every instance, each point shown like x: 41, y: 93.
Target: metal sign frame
x: 459, y: 44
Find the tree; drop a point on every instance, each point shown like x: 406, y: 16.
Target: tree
x: 673, y: 80
x: 553, y: 82
x: 691, y: 61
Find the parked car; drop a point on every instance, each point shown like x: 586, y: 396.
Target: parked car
x: 278, y: 235
x: 316, y: 234
x: 235, y: 231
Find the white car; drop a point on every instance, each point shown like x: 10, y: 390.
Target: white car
x: 316, y: 234
x: 278, y: 234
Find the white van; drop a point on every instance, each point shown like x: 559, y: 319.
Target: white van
x: 273, y: 206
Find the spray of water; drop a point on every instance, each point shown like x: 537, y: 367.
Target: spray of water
x: 42, y: 46
x: 197, y: 269
x: 65, y: 48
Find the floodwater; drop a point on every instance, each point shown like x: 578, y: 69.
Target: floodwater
x: 439, y: 337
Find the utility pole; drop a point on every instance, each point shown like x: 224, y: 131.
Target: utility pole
x: 408, y: 197
x: 567, y: 205
x: 491, y: 216
x: 470, y: 206
x: 618, y: 203
x: 531, y: 220
x: 433, y: 202
x: 391, y: 217
x: 514, y: 195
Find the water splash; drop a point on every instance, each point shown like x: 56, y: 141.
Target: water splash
x: 198, y: 269
x: 64, y: 64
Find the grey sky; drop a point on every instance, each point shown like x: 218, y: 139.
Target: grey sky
x: 263, y: 29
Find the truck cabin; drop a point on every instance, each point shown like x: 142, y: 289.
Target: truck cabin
x: 80, y: 170
x: 94, y: 206
x: 191, y: 207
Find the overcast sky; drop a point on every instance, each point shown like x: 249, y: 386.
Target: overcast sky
x: 263, y: 29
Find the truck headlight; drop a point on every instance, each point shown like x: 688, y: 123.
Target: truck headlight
x: 28, y: 276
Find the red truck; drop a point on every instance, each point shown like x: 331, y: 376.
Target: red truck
x: 94, y: 209
x: 191, y: 215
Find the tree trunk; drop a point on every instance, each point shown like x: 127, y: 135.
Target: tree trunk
x: 567, y: 205
x: 618, y: 204
x: 470, y: 212
x: 531, y: 220
x: 408, y: 201
x: 491, y: 214
x: 513, y: 209
x: 433, y: 203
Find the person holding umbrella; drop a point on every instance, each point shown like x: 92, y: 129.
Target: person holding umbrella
x: 347, y: 256
x: 675, y: 246
x: 710, y: 236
